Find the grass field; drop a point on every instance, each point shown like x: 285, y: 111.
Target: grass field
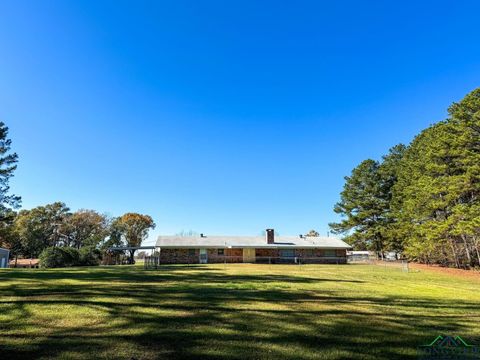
x: 240, y: 311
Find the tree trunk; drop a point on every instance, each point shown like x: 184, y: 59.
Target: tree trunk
x: 454, y: 254
x: 467, y: 250
x: 132, y: 260
x: 445, y: 256
x: 475, y: 244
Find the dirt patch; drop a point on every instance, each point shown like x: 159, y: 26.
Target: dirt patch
x: 470, y: 274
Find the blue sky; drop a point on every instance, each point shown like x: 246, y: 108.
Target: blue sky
x: 222, y: 117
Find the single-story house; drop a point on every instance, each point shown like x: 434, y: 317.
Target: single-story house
x: 4, y: 255
x: 251, y: 249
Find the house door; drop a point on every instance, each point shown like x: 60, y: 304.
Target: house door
x: 203, y: 256
x: 248, y: 255
x: 2, y: 263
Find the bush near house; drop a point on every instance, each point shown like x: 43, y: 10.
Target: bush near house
x: 58, y: 257
x: 90, y: 256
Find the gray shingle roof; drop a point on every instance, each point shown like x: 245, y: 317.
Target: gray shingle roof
x: 250, y: 242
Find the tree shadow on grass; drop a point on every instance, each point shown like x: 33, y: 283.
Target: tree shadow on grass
x: 196, y: 315
x: 180, y: 274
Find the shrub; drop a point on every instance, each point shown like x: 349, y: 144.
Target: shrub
x: 90, y: 256
x: 55, y: 257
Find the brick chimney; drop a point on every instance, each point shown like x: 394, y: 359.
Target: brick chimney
x: 270, y: 236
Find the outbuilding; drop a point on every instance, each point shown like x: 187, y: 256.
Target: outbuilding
x: 4, y: 255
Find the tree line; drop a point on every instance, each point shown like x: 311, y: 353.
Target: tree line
x: 30, y: 232
x: 421, y: 200
x: 84, y: 233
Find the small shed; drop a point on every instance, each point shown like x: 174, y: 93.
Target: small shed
x: 4, y: 254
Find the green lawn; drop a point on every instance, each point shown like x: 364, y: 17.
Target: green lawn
x: 238, y: 311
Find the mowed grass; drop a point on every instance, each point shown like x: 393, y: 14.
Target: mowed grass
x: 239, y: 311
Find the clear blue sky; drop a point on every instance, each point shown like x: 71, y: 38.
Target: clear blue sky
x: 222, y: 117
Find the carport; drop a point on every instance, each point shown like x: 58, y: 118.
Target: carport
x: 131, y: 249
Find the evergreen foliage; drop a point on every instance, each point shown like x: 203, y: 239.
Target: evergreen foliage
x: 422, y: 200
x: 57, y: 257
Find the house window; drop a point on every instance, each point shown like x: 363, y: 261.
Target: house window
x: 330, y: 253
x: 191, y: 252
x: 221, y: 252
x: 287, y: 253
x: 309, y: 253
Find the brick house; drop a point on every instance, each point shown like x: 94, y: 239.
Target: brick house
x: 251, y: 249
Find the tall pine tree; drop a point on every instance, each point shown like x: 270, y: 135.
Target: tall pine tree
x: 8, y: 164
